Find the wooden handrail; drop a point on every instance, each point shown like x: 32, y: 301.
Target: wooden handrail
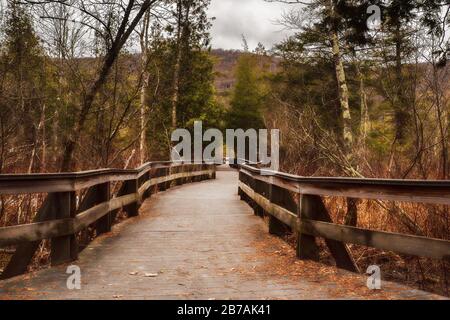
x: 72, y: 181
x: 309, y: 218
x: 422, y: 191
x: 59, y: 219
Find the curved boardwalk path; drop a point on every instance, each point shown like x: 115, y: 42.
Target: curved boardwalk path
x: 201, y: 242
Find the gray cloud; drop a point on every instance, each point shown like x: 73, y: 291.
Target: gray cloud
x: 256, y: 19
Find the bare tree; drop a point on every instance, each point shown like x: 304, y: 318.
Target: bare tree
x: 99, y: 18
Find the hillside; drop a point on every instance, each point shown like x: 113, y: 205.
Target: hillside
x: 224, y: 70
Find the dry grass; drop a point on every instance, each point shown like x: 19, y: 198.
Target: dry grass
x: 422, y: 273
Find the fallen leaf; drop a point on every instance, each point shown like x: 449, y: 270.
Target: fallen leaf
x: 151, y: 275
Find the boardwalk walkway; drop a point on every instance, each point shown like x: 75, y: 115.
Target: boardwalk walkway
x: 197, y: 241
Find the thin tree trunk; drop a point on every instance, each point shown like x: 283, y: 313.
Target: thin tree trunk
x: 176, y: 68
x: 143, y: 107
x: 36, y: 140
x: 364, y: 124
x: 442, y: 121
x: 175, y: 90
x: 343, y: 91
x: 400, y: 108
x: 144, y: 88
x: 44, y: 143
x: 352, y: 211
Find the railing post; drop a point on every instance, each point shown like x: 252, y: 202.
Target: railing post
x: 312, y: 207
x: 144, y: 178
x: 306, y: 244
x: 25, y: 251
x: 130, y: 187
x: 212, y: 167
x: 104, y: 195
x: 185, y: 168
x: 65, y: 248
x: 276, y: 227
x: 164, y: 172
x: 252, y: 184
x: 241, y: 193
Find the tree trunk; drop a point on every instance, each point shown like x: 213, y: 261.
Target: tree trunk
x: 41, y: 125
x: 143, y: 108
x: 352, y: 211
x: 182, y: 41
x: 124, y: 31
x: 364, y: 124
x: 44, y: 142
x: 176, y: 68
x: 343, y: 92
x: 144, y: 87
x: 400, y: 105
x: 442, y: 122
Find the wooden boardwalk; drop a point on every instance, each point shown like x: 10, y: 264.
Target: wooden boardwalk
x: 197, y: 241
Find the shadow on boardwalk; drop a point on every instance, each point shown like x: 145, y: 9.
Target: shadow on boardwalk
x: 197, y: 241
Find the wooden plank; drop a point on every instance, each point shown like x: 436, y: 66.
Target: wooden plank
x: 278, y: 212
x: 88, y: 217
x: 65, y: 182
x: 144, y: 188
x: 71, y: 181
x: 341, y: 254
x: 60, y: 227
x: 420, y: 191
x: 64, y: 248
x: 50, y: 183
x: 306, y: 246
x: 164, y: 174
x: 276, y: 226
x: 387, y: 193
x: 120, y: 202
x: 401, y: 243
x: 24, y: 252
x: 89, y: 200
x: 288, y: 185
x: 131, y: 187
x: 35, y: 231
x: 175, y: 176
x: 120, y: 193
x: 312, y: 206
x: 104, y: 223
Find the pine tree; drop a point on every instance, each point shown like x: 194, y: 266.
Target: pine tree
x: 26, y: 80
x: 246, y: 103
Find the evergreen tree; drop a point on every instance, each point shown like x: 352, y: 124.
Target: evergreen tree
x: 24, y: 95
x: 247, y: 100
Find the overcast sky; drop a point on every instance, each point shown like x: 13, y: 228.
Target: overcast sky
x: 256, y: 19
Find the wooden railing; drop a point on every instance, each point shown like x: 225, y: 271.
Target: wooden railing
x: 296, y: 202
x: 61, y: 216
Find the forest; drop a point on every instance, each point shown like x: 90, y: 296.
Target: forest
x: 102, y: 84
